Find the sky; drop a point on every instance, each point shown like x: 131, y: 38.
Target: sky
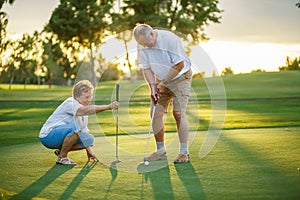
x: 257, y: 34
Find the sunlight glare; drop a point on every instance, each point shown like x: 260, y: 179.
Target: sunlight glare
x: 244, y: 57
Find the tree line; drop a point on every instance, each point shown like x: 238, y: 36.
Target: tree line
x: 76, y: 29
x: 70, y: 39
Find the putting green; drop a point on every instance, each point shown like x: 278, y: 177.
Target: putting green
x: 244, y: 164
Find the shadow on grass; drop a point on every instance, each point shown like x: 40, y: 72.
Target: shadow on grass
x: 78, y: 179
x: 277, y: 183
x: 114, y: 173
x: 162, y: 187
x: 190, y: 180
x: 35, y: 188
x: 161, y: 183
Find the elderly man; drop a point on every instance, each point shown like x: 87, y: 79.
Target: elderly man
x: 167, y: 70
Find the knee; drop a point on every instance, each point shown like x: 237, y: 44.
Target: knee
x: 178, y: 115
x: 92, y: 139
x: 76, y: 133
x: 158, y: 114
x: 88, y: 140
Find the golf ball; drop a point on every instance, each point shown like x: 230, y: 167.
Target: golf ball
x: 146, y: 162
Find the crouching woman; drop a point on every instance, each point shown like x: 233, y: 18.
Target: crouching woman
x: 67, y: 128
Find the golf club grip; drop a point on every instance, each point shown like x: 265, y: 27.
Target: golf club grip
x: 117, y: 92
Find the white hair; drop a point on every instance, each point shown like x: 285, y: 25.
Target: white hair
x: 142, y: 30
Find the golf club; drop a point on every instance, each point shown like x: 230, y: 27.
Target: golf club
x: 117, y: 124
x: 150, y: 128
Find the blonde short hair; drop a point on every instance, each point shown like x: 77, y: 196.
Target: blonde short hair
x: 82, y: 87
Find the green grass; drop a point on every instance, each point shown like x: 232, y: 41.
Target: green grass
x: 253, y: 100
x: 256, y: 157
x: 245, y: 164
x: 263, y: 85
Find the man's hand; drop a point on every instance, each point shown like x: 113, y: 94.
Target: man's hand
x: 154, y: 93
x: 161, y: 87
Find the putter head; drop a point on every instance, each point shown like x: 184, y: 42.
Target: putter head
x: 142, y: 164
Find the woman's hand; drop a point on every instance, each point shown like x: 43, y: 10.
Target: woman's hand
x: 91, y: 154
x: 114, y: 105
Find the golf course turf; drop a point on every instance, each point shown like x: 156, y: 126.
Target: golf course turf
x: 255, y: 157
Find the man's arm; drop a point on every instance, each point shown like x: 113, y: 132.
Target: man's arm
x: 150, y: 78
x: 173, y: 72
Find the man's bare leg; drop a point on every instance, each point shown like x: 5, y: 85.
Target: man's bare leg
x: 182, y: 126
x: 183, y: 131
x: 159, y: 132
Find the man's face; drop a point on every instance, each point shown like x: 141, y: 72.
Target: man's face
x: 85, y: 98
x: 147, y: 41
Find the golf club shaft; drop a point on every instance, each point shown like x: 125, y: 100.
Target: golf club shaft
x: 150, y: 128
x: 117, y: 123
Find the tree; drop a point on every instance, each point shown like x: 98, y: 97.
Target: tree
x: 111, y: 73
x: 85, y: 22
x: 3, y: 23
x: 22, y: 61
x: 214, y: 73
x: 126, y: 36
x: 298, y: 4
x: 27, y: 58
x: 2, y: 2
x: 3, y: 39
x: 227, y: 71
x: 199, y: 75
x: 3, y: 19
x: 51, y: 58
x: 291, y: 64
x: 59, y: 59
x: 189, y: 17
x: 257, y: 70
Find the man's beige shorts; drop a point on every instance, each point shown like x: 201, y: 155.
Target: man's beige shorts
x: 177, y: 91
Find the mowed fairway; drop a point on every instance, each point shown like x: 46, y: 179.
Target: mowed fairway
x: 255, y: 157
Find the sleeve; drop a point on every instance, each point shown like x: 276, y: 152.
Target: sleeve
x: 71, y: 106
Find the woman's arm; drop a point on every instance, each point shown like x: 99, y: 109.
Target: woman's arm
x: 88, y: 110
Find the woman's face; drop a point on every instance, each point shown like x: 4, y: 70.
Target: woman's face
x: 85, y: 98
